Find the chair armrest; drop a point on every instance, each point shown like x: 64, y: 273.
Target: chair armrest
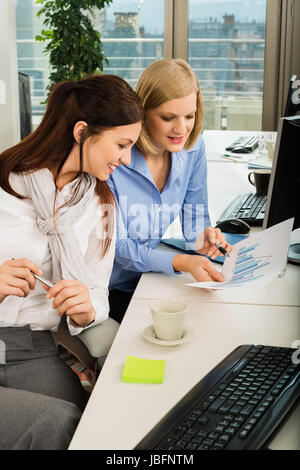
x: 99, y: 338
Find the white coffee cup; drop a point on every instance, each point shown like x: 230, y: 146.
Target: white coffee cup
x: 168, y: 318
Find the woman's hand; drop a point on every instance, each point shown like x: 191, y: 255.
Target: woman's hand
x: 205, y: 242
x: 200, y: 267
x: 72, y: 298
x: 16, y: 277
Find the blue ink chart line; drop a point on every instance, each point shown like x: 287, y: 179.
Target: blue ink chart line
x: 246, y: 265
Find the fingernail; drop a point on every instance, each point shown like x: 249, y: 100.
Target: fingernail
x: 40, y: 272
x: 48, y: 296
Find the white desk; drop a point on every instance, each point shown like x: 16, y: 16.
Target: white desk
x: 118, y: 415
x: 282, y: 291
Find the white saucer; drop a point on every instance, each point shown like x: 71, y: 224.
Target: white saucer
x: 149, y: 335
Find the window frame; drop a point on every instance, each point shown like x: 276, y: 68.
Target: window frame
x: 281, y: 57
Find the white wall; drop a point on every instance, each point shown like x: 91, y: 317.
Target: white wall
x: 9, y: 110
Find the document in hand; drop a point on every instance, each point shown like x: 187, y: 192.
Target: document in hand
x: 255, y: 260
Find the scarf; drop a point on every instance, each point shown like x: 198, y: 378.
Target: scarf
x: 67, y: 259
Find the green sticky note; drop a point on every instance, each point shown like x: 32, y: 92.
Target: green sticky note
x: 139, y: 370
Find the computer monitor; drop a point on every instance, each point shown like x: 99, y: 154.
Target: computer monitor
x: 292, y: 106
x: 25, y: 105
x: 283, y: 200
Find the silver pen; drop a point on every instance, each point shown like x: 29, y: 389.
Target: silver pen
x: 44, y: 281
x: 222, y: 250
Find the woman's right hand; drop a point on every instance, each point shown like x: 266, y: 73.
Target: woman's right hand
x: 201, y: 268
x: 16, y: 277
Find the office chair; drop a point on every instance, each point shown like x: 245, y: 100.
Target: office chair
x: 90, y: 347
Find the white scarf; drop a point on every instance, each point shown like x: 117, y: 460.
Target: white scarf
x: 67, y: 259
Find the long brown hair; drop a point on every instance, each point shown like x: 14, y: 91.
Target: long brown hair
x: 102, y: 101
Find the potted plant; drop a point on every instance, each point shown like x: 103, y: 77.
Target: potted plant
x: 74, y: 46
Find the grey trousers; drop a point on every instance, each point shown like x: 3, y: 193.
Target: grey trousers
x: 41, y: 399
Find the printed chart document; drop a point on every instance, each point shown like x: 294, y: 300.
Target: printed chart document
x: 257, y: 259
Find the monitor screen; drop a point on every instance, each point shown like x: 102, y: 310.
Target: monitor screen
x: 283, y: 200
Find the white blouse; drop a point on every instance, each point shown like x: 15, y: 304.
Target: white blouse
x: 20, y: 237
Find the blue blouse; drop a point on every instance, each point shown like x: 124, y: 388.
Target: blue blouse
x: 144, y: 213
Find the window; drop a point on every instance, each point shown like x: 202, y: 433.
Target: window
x: 225, y: 41
x: 226, y: 48
x: 132, y: 33
x: 31, y: 59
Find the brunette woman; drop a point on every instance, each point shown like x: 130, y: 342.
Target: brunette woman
x: 57, y: 220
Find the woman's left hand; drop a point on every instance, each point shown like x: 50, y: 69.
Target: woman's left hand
x: 206, y: 241
x: 72, y: 298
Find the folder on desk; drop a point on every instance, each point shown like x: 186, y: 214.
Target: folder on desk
x: 180, y: 244
x: 265, y: 164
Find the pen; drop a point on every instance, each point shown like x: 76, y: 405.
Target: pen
x: 41, y: 279
x: 44, y: 281
x: 230, y: 155
x: 232, y: 158
x: 222, y: 250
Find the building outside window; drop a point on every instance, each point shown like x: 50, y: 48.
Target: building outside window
x: 132, y: 33
x: 226, y: 48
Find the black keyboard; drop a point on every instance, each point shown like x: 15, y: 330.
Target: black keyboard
x: 249, y: 207
x: 238, y: 405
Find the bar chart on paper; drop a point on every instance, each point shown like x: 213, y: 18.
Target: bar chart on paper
x: 248, y: 267
x: 252, y: 262
x: 257, y: 259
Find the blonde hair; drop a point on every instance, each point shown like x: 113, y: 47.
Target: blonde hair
x: 163, y: 81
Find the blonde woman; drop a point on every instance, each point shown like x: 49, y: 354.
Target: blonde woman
x: 166, y: 178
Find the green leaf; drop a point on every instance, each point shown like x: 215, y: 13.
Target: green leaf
x: 73, y: 46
